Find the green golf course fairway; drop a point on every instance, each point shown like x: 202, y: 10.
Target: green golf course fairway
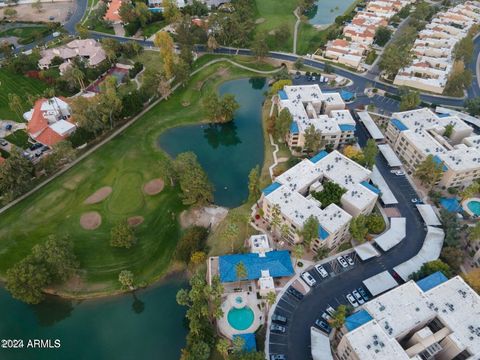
x: 125, y: 163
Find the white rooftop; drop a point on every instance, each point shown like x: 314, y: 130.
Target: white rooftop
x: 371, y: 126
x: 389, y: 155
x: 428, y: 215
x: 386, y: 194
x: 62, y: 127
x: 394, y: 235
x: 380, y: 283
x: 320, y: 345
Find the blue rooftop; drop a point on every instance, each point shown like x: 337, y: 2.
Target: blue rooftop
x: 370, y: 187
x: 271, y: 188
x: 346, y: 127
x: 294, y: 127
x: 450, y: 204
x: 250, y: 342
x: 439, y: 161
x: 443, y: 115
x: 347, y: 95
x: 283, y: 95
x: 319, y: 156
x: 431, y: 281
x: 322, y: 233
x: 399, y: 125
x: 278, y: 263
x: 357, y: 319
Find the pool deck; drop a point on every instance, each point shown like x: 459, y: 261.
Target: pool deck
x: 250, y: 299
x: 467, y: 209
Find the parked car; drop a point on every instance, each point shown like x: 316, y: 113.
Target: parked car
x: 330, y: 310
x: 358, y: 297
x: 322, y: 325
x: 342, y: 261
x: 35, y: 146
x: 295, y: 293
x: 277, y: 357
x: 44, y: 148
x: 321, y: 270
x: 56, y: 34
x: 416, y: 201
x: 314, y: 78
x: 279, y: 319
x: 352, y: 300
x: 325, y: 316
x: 308, y: 278
x: 398, y: 172
x: 3, y: 142
x: 349, y: 260
x: 278, y: 328
x: 8, y: 127
x: 363, y: 293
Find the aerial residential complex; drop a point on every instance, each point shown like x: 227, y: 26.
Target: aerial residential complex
x: 434, y: 318
x: 434, y: 48
x: 308, y: 106
x: 291, y: 194
x: 359, y: 35
x: 416, y: 134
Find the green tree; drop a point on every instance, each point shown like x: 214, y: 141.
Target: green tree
x: 142, y: 13
x: 182, y: 71
x: 15, y: 104
x: 297, y: 252
x: 212, y: 43
x: 464, y: 49
x: 15, y: 175
x: 194, y: 183
x: 358, y: 228
x: 431, y: 267
x: 313, y: 139
x: 473, y: 279
x: 238, y: 344
x: 10, y: 13
x: 375, y: 224
x: 452, y: 256
x: 167, y: 51
x: 260, y: 46
x: 298, y: 64
x: 62, y: 153
x: 309, y: 231
x: 474, y: 232
x: 81, y: 30
x: 171, y: 12
x: 370, y: 152
x: 338, y: 318
x: 331, y: 194
x: 282, y: 34
x: 429, y: 172
x: 448, y: 130
x: 283, y: 124
x: 473, y: 106
x: 122, y: 235
x: 241, y: 271
x: 253, y: 185
x: 194, y: 239
x: 220, y: 110
x: 459, y: 79
x: 276, y: 217
x: 382, y: 35
x: 409, y: 99
x: 126, y: 279
x: 37, y: 5
x: 223, y: 345
x: 271, y: 298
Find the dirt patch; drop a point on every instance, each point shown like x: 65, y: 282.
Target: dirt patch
x: 134, y: 221
x: 206, y: 216
x: 58, y: 10
x: 185, y: 103
x: 90, y: 220
x: 153, y: 187
x: 260, y: 21
x: 99, y: 195
x: 223, y: 71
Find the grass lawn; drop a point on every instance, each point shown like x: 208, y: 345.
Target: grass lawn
x: 125, y: 163
x: 20, y: 85
x: 27, y: 34
x: 152, y: 28
x: 19, y: 138
x: 249, y: 61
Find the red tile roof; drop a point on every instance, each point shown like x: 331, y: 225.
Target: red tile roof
x: 49, y: 137
x: 38, y: 122
x: 112, y: 12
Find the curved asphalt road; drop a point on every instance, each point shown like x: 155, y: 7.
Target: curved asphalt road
x: 331, y: 291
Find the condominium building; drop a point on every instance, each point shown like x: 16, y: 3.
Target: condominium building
x: 416, y: 134
x: 309, y: 106
x: 433, y: 50
x: 435, y: 318
x: 291, y: 195
x: 345, y: 52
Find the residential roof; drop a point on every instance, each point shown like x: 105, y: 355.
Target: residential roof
x: 112, y: 11
x: 278, y: 263
x: 357, y: 319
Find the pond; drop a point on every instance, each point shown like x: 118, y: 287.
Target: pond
x: 324, y: 12
x: 227, y: 152
x: 145, y: 326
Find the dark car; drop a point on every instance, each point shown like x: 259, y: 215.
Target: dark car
x: 277, y: 357
x: 278, y: 328
x: 35, y: 146
x: 279, y: 319
x: 363, y: 293
x: 8, y: 127
x: 3, y: 142
x: 294, y: 292
x: 322, y: 325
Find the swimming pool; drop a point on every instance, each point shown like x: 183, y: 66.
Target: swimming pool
x: 474, y: 207
x: 240, y: 319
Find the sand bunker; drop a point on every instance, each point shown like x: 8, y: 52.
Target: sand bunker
x: 91, y: 220
x: 135, y: 220
x: 99, y: 195
x: 204, y: 216
x: 153, y: 187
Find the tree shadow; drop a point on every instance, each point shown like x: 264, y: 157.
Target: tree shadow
x: 52, y: 310
x: 138, y: 306
x: 221, y: 134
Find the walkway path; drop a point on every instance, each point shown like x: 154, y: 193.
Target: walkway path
x: 295, y: 30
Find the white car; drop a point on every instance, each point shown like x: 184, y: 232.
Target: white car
x: 399, y: 173
x: 352, y: 300
x: 330, y: 310
x: 326, y: 317
x: 349, y: 260
x: 309, y: 279
x: 358, y: 297
x: 56, y: 34
x: 321, y: 270
x: 342, y: 261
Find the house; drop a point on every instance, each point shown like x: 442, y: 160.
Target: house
x: 112, y: 14
x: 89, y: 50
x: 50, y: 122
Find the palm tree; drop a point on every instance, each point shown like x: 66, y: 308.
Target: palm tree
x: 275, y: 217
x: 271, y: 297
x: 338, y: 318
x: 241, y: 272
x: 223, y: 345
x: 298, y: 252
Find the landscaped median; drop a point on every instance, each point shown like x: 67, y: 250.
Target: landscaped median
x: 126, y: 164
